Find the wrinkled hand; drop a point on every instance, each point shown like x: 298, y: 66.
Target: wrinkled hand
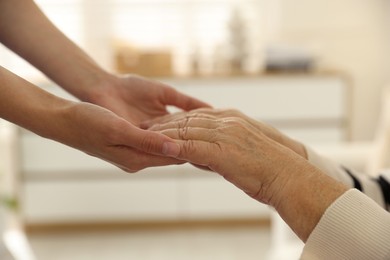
x: 250, y: 155
x: 267, y: 130
x: 235, y: 147
x: 138, y: 99
x: 101, y: 133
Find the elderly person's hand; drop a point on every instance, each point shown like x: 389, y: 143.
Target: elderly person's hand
x: 229, y: 142
x: 242, y: 151
x: 267, y: 130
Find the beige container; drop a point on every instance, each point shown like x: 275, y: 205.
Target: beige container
x: 148, y: 63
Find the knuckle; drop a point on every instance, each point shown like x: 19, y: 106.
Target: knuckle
x: 215, y: 134
x: 183, y: 128
x: 232, y: 112
x: 234, y: 122
x: 183, y: 122
x: 114, y: 131
x: 228, y: 112
x: 241, y: 121
x: 189, y: 147
x: 183, y: 133
x: 219, y: 131
x: 237, y: 113
x: 148, y: 145
x: 155, y: 127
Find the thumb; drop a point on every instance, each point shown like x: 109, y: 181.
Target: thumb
x: 153, y: 143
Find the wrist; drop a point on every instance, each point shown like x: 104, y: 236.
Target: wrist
x: 294, y: 145
x: 305, y: 197
x: 49, y: 116
x: 96, y: 86
x: 28, y: 106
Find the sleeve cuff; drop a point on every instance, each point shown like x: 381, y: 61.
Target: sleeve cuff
x: 353, y: 227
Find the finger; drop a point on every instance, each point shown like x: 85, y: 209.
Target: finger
x: 187, y: 122
x: 219, y: 113
x: 162, y: 119
x: 132, y: 160
x: 151, y: 142
x: 192, y: 133
x: 201, y: 113
x: 175, y: 117
x: 180, y: 100
x: 197, y: 152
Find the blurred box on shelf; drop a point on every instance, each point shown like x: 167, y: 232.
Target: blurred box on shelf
x: 289, y: 58
x: 144, y: 62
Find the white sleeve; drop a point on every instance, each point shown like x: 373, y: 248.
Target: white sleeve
x: 329, y: 167
x: 353, y: 227
x: 366, y: 184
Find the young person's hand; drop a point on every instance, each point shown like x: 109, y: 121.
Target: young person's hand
x: 84, y: 126
x: 103, y: 134
x: 138, y: 99
x: 22, y: 28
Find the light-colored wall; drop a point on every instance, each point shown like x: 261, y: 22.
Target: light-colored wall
x: 347, y: 35
x: 350, y: 36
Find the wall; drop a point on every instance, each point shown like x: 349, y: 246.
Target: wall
x: 347, y: 35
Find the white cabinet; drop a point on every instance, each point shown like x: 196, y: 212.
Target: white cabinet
x: 310, y: 108
x: 62, y: 185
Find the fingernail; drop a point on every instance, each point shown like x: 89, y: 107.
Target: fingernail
x: 171, y: 149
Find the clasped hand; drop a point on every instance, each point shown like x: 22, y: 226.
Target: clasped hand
x: 254, y: 156
x: 110, y: 129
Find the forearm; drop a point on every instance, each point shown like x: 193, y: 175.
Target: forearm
x: 302, y: 200
x: 27, y: 31
x: 27, y: 105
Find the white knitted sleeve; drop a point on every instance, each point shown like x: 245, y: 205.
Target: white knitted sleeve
x: 353, y: 227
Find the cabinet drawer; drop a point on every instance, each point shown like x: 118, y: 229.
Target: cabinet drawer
x: 273, y: 98
x: 215, y: 198
x: 59, y: 201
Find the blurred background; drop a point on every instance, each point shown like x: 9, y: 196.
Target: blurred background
x: 316, y: 69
